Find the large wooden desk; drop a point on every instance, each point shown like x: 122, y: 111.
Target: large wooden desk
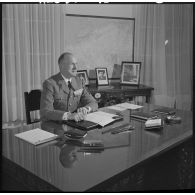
x: 123, y: 166
x: 120, y: 92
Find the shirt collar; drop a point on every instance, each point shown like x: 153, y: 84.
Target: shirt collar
x: 65, y: 79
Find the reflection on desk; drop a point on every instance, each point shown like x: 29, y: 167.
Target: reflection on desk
x: 62, y: 166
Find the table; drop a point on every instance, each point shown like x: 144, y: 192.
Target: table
x: 120, y: 92
x: 59, y: 166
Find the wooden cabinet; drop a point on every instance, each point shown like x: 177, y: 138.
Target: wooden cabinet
x: 116, y: 93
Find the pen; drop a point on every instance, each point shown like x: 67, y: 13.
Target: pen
x: 127, y: 131
x: 116, y: 128
x: 122, y: 130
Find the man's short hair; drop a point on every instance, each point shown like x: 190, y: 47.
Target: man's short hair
x: 62, y: 56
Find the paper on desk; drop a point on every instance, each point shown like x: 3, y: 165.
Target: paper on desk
x: 130, y: 106
x: 116, y: 107
x: 125, y: 106
x: 100, y: 117
x: 36, y: 136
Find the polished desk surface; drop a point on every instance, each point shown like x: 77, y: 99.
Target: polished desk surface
x: 63, y: 166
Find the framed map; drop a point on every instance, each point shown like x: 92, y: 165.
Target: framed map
x: 99, y: 41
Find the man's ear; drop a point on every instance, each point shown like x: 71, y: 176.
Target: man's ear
x: 60, y: 67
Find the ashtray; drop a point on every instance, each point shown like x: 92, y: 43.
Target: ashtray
x: 173, y: 119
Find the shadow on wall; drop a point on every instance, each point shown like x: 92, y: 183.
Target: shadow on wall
x: 116, y: 71
x: 92, y: 74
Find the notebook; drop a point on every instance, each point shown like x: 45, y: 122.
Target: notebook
x: 142, y: 115
x: 36, y: 136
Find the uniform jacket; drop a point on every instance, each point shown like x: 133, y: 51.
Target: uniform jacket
x: 57, y: 98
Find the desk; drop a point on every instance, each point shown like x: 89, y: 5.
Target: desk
x: 114, y: 169
x: 120, y: 92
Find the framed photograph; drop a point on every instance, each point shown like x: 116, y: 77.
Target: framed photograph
x: 130, y: 73
x: 83, y: 76
x: 102, y: 76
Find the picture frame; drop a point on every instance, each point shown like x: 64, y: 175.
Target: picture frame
x: 102, y: 76
x: 82, y: 74
x: 130, y: 72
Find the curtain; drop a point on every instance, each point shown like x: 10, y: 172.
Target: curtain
x: 33, y: 39
x: 165, y: 66
x: 179, y: 54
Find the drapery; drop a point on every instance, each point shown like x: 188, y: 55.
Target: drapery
x: 163, y: 43
x: 179, y: 54
x: 33, y: 39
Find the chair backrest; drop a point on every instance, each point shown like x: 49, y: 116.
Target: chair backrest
x: 32, y: 103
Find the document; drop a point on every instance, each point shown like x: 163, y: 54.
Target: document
x: 36, y: 136
x: 101, y: 118
x: 117, y: 107
x: 125, y: 106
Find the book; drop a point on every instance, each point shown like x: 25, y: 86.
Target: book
x: 143, y: 115
x: 168, y: 111
x: 36, y: 136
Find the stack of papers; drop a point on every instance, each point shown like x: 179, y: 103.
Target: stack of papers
x: 36, y: 136
x: 125, y: 106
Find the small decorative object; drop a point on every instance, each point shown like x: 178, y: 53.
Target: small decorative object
x: 102, y: 76
x: 98, y: 95
x: 130, y: 73
x: 83, y: 76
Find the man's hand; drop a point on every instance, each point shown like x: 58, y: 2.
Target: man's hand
x: 83, y: 110
x: 76, y: 116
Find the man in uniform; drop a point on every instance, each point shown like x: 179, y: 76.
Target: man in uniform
x: 64, y: 96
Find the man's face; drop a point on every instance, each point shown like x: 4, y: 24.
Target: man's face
x: 68, y: 66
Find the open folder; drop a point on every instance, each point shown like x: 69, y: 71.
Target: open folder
x: 95, y: 119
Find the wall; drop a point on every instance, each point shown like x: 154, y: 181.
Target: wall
x: 119, y: 10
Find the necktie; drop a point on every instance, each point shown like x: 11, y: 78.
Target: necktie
x: 69, y: 85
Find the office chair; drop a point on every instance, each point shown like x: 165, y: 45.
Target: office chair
x: 32, y: 103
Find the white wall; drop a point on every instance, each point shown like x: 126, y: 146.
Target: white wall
x: 118, y: 10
